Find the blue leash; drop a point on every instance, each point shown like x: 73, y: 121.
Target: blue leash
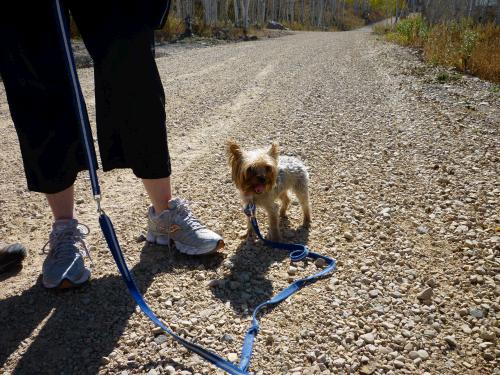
x: 297, y: 252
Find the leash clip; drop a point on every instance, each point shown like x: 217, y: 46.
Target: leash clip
x: 249, y: 210
x: 97, y: 199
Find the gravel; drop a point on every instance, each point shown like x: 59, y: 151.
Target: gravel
x: 404, y: 191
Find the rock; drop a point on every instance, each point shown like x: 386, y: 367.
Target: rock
x: 466, y: 329
x: 160, y: 339
x: 233, y: 357
x: 140, y: 238
x: 422, y: 229
x: 413, y: 354
x: 170, y: 370
x: 488, y: 356
x: 368, y: 338
x: 339, y: 362
x: 367, y: 369
x: 423, y: 354
x: 275, y: 25
x: 488, y: 335
x: 269, y: 339
x: 476, y: 313
x: 227, y: 338
x: 157, y: 330
x: 322, y: 358
x: 451, y: 341
x: 398, y: 364
x: 348, y: 236
x: 292, y: 271
x: 425, y: 295
x: 319, y: 263
x: 373, y: 293
x: 210, y: 328
x: 105, y: 360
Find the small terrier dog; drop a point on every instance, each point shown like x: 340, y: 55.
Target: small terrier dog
x: 262, y: 176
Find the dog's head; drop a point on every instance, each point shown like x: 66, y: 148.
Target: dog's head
x: 255, y: 171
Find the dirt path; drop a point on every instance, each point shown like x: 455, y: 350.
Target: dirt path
x: 405, y: 193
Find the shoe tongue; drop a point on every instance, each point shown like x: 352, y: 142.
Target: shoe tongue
x: 64, y: 223
x: 173, y: 203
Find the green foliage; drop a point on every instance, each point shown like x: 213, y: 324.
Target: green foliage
x: 468, y: 47
x: 409, y: 32
x: 444, y: 77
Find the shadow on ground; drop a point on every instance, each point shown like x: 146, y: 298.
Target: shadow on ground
x: 245, y: 285
x: 81, y: 326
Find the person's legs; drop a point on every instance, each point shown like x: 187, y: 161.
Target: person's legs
x: 130, y: 110
x: 159, y: 192
x: 35, y: 72
x: 61, y: 204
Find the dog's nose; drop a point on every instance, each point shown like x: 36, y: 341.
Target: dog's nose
x: 261, y: 179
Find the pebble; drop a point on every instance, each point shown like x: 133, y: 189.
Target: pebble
x: 413, y: 354
x: 339, y: 362
x: 476, y: 313
x: 233, y: 357
x: 368, y: 338
x: 157, y: 330
x: 227, y: 338
x: 160, y: 339
x: 425, y: 294
x: 373, y: 293
x: 348, y: 236
x: 422, y: 229
x: 423, y: 354
x: 367, y: 369
x: 451, y: 341
x: 320, y: 263
x: 398, y: 364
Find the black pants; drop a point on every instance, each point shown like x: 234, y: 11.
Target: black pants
x: 130, y: 101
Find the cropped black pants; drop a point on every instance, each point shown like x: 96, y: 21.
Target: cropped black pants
x: 129, y: 96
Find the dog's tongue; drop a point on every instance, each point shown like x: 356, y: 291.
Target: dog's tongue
x: 259, y: 189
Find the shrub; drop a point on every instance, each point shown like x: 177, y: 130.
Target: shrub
x: 463, y: 45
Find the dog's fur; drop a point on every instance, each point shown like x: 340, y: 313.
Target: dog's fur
x: 262, y: 176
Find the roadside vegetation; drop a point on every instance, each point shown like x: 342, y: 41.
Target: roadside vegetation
x: 465, y: 43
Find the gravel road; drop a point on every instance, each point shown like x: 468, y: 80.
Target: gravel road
x: 404, y: 191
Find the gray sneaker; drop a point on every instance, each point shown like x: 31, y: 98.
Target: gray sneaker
x: 64, y: 267
x: 178, y: 224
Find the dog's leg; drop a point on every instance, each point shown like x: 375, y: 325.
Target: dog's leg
x: 274, y: 221
x: 303, y: 196
x: 249, y: 234
x: 285, y: 202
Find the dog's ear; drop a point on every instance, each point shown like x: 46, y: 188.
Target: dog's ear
x: 235, y: 155
x: 274, y: 151
x: 233, y: 151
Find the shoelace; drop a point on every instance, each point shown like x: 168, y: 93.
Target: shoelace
x: 65, y: 238
x: 187, y: 216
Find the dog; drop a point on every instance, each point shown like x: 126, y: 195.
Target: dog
x: 263, y: 176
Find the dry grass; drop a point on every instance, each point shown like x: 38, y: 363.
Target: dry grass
x: 468, y: 47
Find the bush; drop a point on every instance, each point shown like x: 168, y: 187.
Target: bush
x: 469, y: 48
x: 466, y: 46
x: 409, y: 32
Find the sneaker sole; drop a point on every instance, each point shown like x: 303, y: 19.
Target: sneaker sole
x: 194, y: 251
x: 69, y: 284
x: 164, y: 241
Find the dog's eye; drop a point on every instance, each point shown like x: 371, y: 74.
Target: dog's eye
x: 268, y: 169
